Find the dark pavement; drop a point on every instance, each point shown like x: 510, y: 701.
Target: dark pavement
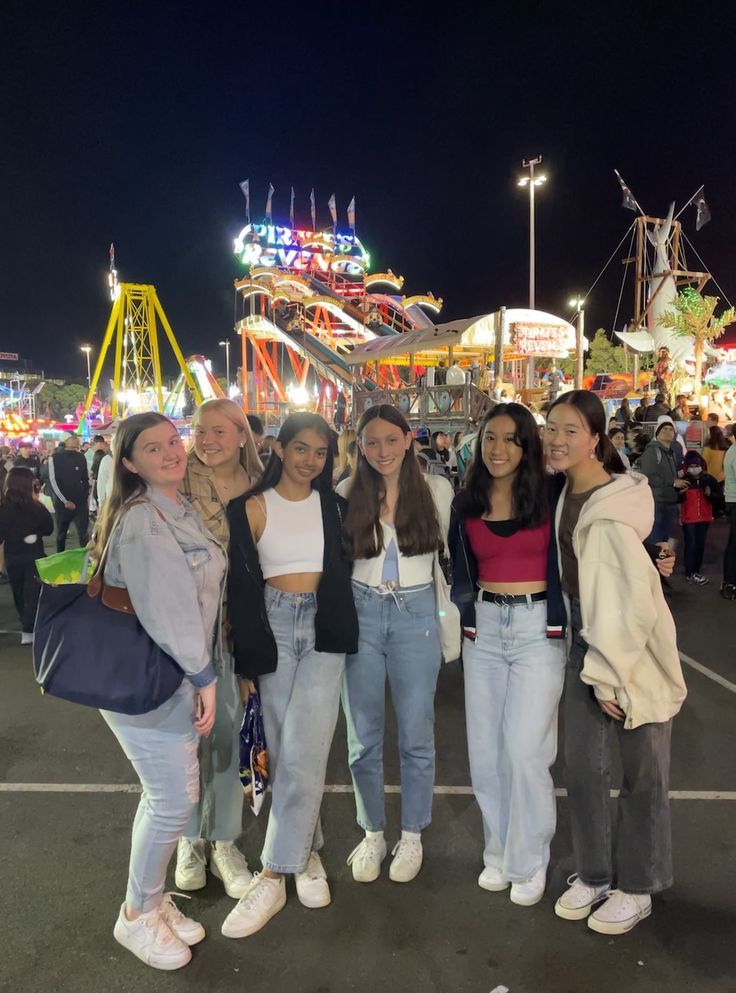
x: 64, y: 868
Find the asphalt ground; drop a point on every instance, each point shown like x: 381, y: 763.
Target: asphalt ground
x: 67, y: 801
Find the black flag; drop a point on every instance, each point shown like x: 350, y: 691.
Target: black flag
x: 628, y: 202
x: 703, y: 215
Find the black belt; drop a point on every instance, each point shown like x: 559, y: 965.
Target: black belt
x: 507, y: 600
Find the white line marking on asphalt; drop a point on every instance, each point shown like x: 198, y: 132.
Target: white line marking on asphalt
x: 721, y: 680
x: 338, y: 788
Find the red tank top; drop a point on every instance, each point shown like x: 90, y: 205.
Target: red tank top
x: 520, y: 557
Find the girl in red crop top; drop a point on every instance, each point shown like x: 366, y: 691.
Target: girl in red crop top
x: 513, y: 671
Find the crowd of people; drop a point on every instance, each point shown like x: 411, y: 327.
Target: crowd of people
x: 263, y: 562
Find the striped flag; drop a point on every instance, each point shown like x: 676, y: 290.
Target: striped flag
x: 291, y: 208
x: 269, y: 202
x: 333, y: 208
x: 245, y: 188
x: 314, y: 210
x: 351, y: 215
x: 628, y: 202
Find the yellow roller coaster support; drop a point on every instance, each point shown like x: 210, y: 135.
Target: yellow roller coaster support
x: 132, y: 324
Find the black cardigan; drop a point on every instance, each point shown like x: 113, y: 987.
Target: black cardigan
x: 336, y: 623
x: 465, y: 569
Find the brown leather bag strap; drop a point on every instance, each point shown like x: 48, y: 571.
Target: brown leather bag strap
x: 114, y: 597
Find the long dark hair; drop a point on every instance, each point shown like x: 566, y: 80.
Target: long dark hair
x: 593, y: 415
x: 126, y: 485
x: 529, y: 493
x: 294, y: 423
x: 20, y: 485
x: 717, y: 440
x: 417, y: 527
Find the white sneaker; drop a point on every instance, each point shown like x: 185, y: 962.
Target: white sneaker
x: 576, y: 903
x: 492, y: 880
x: 311, y: 885
x: 26, y: 638
x: 531, y: 890
x: 620, y: 913
x: 184, y: 928
x: 262, y: 900
x: 191, y: 865
x: 151, y: 940
x: 366, y: 859
x: 406, y: 862
x: 228, y: 864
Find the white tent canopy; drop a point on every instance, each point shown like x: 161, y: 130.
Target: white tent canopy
x: 544, y: 334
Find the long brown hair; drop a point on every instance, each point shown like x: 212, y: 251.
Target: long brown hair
x: 417, y: 527
x: 126, y: 485
x: 593, y: 414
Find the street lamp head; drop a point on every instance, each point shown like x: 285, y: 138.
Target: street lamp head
x: 539, y: 180
x: 86, y: 348
x: 224, y: 343
x: 523, y: 181
x: 577, y: 302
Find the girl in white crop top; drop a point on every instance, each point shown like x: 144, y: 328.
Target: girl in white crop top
x: 301, y: 697
x: 397, y: 520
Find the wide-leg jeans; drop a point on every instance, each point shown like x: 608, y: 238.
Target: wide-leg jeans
x: 219, y: 814
x: 301, y: 700
x: 513, y: 682
x: 398, y: 642
x: 643, y: 843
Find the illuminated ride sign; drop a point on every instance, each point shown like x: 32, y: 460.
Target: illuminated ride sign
x: 542, y: 339
x: 300, y: 251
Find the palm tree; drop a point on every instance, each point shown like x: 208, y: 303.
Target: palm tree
x: 694, y: 316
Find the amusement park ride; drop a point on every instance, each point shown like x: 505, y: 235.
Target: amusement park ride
x: 308, y: 301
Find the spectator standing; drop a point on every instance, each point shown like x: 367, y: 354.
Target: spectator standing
x: 728, y: 587
x: 455, y: 375
x: 69, y: 482
x: 641, y: 410
x: 659, y: 465
x: 23, y: 523
x: 618, y: 440
x: 696, y: 514
x: 28, y: 459
x: 658, y: 409
x: 624, y: 414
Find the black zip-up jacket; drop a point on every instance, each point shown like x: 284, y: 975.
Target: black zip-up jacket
x: 68, y: 477
x: 336, y: 622
x: 465, y: 569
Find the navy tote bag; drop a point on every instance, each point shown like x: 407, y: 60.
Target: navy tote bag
x: 90, y: 648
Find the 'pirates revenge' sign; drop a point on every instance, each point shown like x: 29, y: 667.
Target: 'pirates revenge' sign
x: 542, y: 339
x: 299, y: 251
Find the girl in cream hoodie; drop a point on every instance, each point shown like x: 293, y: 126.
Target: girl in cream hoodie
x: 623, y: 680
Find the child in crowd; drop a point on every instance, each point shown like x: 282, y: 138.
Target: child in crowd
x: 696, y: 514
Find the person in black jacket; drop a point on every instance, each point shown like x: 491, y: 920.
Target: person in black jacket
x: 292, y: 620
x: 23, y: 523
x: 68, y: 481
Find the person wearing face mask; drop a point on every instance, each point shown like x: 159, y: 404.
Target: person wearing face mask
x: 221, y: 466
x: 696, y: 514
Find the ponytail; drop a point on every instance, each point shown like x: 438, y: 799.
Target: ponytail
x: 608, y: 455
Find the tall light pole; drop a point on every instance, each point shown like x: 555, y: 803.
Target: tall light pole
x: 531, y: 181
x: 87, y: 349
x: 579, y: 304
x: 226, y: 346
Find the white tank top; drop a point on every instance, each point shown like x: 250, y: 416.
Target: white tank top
x: 293, y: 539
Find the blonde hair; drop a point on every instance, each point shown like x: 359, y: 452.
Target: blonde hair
x: 249, y: 458
x: 345, y: 439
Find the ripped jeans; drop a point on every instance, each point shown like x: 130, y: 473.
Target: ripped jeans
x: 162, y: 747
x: 398, y: 642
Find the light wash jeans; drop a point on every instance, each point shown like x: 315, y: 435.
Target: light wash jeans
x: 219, y: 816
x: 162, y: 747
x: 513, y: 681
x: 398, y: 640
x: 300, y: 701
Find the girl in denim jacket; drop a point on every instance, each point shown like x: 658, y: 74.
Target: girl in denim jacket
x: 174, y: 573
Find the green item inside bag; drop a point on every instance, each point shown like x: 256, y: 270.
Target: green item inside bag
x: 65, y: 567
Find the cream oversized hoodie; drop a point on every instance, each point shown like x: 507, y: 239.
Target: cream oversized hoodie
x: 632, y: 653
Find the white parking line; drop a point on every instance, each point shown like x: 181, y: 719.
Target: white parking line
x: 721, y: 680
x: 337, y: 788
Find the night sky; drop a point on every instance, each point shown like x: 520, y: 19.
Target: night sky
x: 134, y: 123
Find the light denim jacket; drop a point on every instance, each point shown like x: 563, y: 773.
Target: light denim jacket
x: 174, y: 571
